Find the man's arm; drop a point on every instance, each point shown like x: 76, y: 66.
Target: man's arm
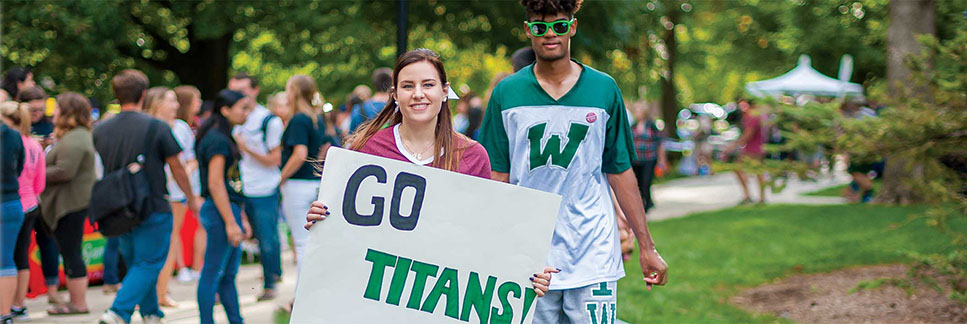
x: 625, y: 187
x: 181, y: 178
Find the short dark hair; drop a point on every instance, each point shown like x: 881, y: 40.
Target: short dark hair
x: 383, y: 79
x: 32, y: 93
x: 253, y: 81
x: 129, y: 86
x: 551, y: 7
x: 522, y: 57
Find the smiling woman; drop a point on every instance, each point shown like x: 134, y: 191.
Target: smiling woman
x: 414, y: 127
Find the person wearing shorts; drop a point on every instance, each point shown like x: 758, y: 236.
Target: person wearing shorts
x: 560, y: 126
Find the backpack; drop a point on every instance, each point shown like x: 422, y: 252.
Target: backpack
x: 265, y: 128
x: 119, y: 201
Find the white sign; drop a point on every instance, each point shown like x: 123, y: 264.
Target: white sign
x: 414, y: 244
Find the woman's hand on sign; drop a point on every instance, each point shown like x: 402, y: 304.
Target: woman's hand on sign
x: 317, y: 212
x: 542, y: 281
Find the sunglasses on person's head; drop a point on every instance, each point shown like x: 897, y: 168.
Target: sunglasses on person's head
x: 560, y: 27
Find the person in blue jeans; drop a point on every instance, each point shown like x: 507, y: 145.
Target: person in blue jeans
x: 221, y: 214
x: 112, y: 262
x: 120, y: 141
x: 11, y: 215
x: 259, y: 140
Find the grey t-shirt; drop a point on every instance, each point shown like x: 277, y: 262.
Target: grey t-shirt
x: 120, y: 140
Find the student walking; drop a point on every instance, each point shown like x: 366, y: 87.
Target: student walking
x: 221, y: 214
x: 70, y: 179
x: 32, y: 183
x: 189, y: 105
x: 560, y: 126
x: 162, y: 103
x: 120, y: 141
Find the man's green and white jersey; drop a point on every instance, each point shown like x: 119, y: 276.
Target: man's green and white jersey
x: 566, y: 146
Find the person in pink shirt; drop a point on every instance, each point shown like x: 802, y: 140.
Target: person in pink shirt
x: 32, y: 181
x: 752, y: 141
x: 416, y: 127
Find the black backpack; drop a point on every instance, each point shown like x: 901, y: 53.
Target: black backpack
x: 119, y: 201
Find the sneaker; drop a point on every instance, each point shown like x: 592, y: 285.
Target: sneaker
x: 6, y: 319
x: 110, y: 317
x: 195, y: 275
x: 267, y: 294
x: 153, y: 319
x: 185, y: 275
x: 19, y: 313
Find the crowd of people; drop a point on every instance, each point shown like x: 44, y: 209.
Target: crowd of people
x: 241, y: 168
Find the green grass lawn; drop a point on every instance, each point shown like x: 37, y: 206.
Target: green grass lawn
x: 713, y: 255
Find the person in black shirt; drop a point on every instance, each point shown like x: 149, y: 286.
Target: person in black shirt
x: 11, y: 216
x: 304, y: 143
x: 221, y: 214
x: 119, y: 141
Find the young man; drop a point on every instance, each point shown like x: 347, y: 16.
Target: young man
x: 382, y: 82
x: 120, y: 141
x: 561, y: 126
x: 259, y: 139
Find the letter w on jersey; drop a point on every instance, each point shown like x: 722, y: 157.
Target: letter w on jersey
x: 552, y: 151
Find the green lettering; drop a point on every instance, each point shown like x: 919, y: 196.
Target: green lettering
x: 552, y: 148
x: 592, y: 311
x: 475, y: 298
x: 529, y: 297
x: 507, y: 315
x: 613, y: 314
x: 399, y: 280
x: 604, y: 314
x: 422, y: 271
x: 602, y: 290
x: 380, y: 261
x: 449, y: 286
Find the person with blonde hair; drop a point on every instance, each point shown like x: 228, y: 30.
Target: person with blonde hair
x: 70, y: 179
x: 304, y: 143
x: 11, y: 214
x: 189, y: 105
x: 32, y: 182
x: 162, y: 103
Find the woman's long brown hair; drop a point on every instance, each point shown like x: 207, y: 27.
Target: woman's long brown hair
x: 75, y: 111
x: 447, y: 140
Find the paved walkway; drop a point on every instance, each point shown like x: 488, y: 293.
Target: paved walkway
x: 676, y: 198
x: 685, y: 196
x: 249, y: 286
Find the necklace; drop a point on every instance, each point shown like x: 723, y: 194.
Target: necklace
x: 419, y: 156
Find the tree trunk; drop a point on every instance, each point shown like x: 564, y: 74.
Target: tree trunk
x: 208, y: 65
x: 669, y: 100
x: 908, y: 19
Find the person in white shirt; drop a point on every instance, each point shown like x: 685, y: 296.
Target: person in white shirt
x: 259, y: 139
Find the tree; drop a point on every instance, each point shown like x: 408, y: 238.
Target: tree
x: 81, y: 44
x: 909, y: 19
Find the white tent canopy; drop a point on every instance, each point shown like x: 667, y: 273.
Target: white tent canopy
x: 804, y: 80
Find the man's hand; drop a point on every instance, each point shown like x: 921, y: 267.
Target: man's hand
x: 653, y: 267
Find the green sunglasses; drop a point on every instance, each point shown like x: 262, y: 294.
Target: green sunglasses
x: 560, y: 27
